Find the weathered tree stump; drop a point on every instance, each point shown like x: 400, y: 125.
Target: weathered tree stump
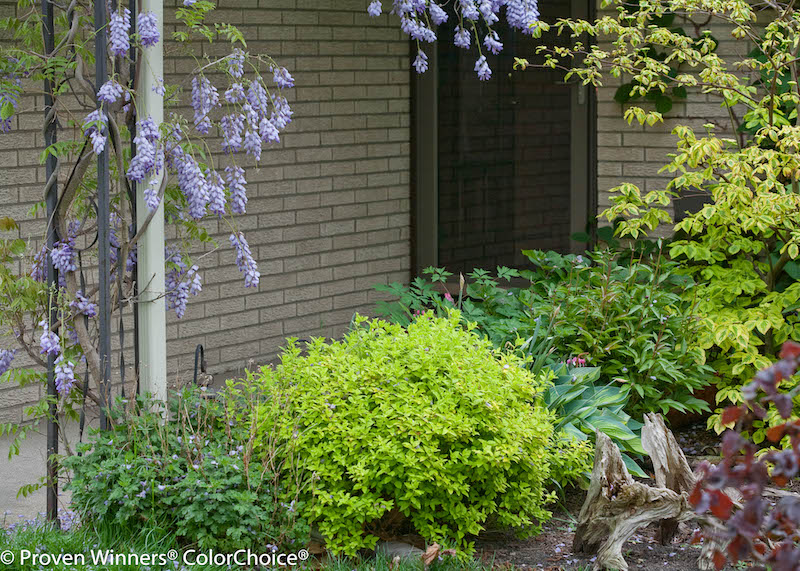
x: 672, y: 471
x: 616, y: 506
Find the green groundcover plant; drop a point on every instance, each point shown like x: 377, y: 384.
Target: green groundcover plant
x: 202, y: 475
x: 426, y: 427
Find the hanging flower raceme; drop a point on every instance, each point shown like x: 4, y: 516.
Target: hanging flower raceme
x: 492, y: 43
x: 236, y: 182
x: 475, y: 17
x: 244, y: 260
x: 180, y: 282
x: 482, y: 69
x: 191, y: 182
x: 282, y: 113
x: 147, y: 26
x: 232, y: 127
x: 216, y: 193
x: 65, y: 376
x: 109, y: 92
x: 95, y: 126
x: 282, y: 78
x: 522, y: 14
x: 421, y: 63
x: 63, y: 256
x: 151, y: 198
x: 146, y: 161
x: 49, y: 343
x: 236, y: 63
x: 204, y: 98
x: 119, y: 32
x: 462, y: 38
x: 6, y: 357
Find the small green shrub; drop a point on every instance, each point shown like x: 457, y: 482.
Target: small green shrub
x: 631, y: 320
x: 427, y: 424
x: 202, y: 474
x: 629, y: 317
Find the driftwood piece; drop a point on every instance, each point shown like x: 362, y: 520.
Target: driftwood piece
x: 616, y: 506
x: 672, y: 470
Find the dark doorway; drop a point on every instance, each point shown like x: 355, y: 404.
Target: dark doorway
x: 501, y: 165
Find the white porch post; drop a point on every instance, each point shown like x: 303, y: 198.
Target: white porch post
x: 150, y: 270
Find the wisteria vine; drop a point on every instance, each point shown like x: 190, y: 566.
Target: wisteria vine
x: 173, y: 161
x: 239, y: 96
x: 476, y: 19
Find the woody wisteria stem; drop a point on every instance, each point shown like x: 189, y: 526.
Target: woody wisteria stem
x: 240, y: 95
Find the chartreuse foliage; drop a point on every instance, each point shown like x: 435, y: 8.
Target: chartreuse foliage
x: 202, y: 476
x: 741, y: 249
x: 426, y: 424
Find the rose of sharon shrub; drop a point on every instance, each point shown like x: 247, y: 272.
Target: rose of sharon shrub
x: 426, y: 425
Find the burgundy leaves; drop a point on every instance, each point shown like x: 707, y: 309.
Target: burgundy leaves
x: 758, y: 531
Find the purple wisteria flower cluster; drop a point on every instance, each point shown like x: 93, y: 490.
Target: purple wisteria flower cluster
x: 6, y: 357
x: 119, y: 29
x: 49, y: 343
x: 65, y: 375
x: 147, y: 26
x: 84, y: 305
x: 244, y: 260
x: 181, y: 281
x: 418, y: 19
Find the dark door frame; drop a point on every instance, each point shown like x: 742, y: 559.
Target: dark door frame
x: 424, y: 157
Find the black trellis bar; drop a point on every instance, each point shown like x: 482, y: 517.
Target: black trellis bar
x: 51, y: 200
x: 103, y: 221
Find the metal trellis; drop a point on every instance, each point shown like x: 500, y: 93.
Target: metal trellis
x: 51, y: 200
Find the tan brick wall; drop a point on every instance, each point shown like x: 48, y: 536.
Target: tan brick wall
x: 328, y: 211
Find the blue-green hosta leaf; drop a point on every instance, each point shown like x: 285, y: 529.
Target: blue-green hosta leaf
x: 559, y: 395
x: 612, y: 427
x: 573, y: 431
x: 633, y: 467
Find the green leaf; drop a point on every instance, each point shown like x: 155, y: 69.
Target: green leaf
x: 623, y: 93
x: 7, y: 110
x: 633, y: 467
x: 663, y: 104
